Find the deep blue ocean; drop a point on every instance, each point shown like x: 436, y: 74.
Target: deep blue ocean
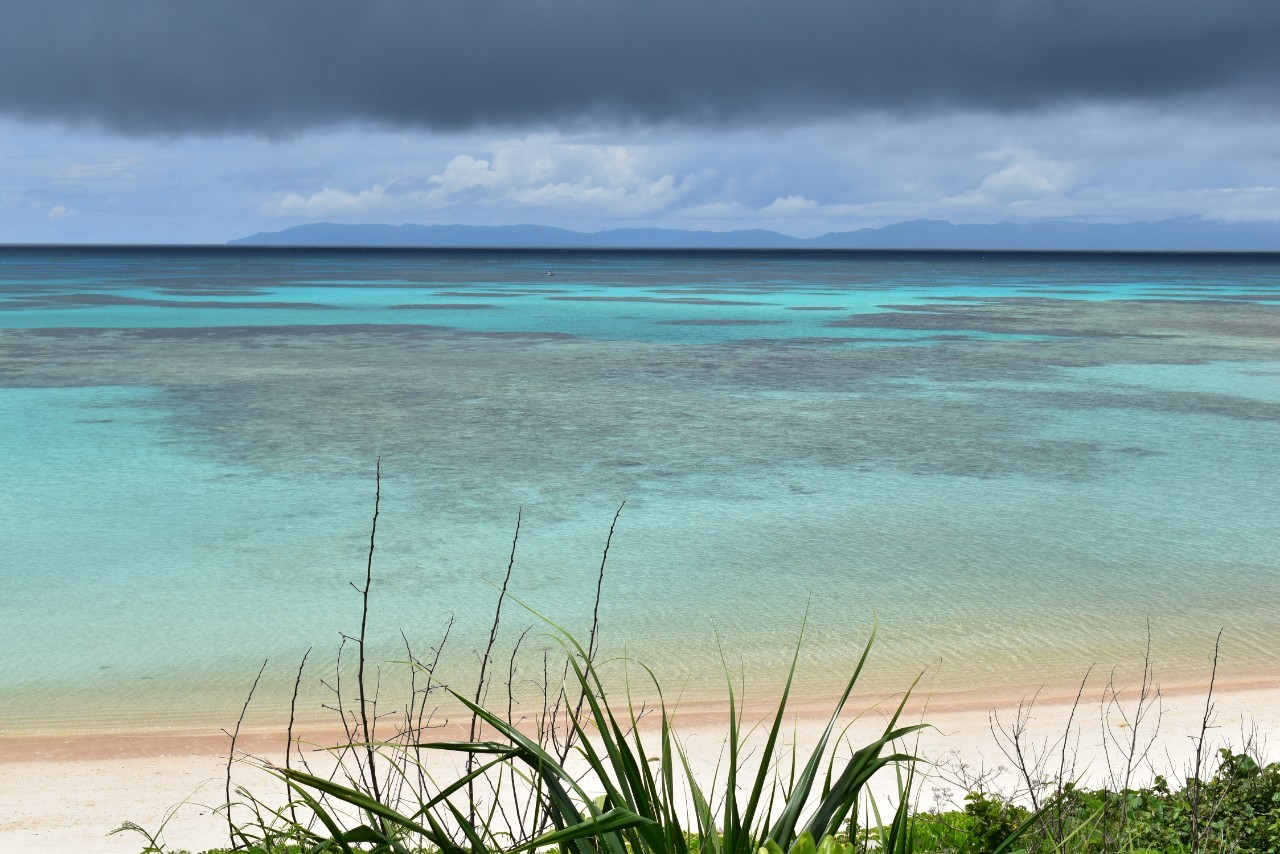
x: 1012, y: 462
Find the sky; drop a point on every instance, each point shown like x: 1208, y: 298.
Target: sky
x: 154, y: 121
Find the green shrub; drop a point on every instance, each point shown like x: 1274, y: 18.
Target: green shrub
x: 990, y: 822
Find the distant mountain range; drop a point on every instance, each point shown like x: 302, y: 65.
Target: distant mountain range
x: 1170, y: 235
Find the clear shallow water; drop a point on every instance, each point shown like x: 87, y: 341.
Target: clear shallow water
x: 1012, y: 461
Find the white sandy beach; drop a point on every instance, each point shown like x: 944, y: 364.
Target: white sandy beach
x: 64, y: 793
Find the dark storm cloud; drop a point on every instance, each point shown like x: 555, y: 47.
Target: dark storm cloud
x: 274, y: 66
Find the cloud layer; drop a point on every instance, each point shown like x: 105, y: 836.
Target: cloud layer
x: 280, y: 67
x: 1108, y: 164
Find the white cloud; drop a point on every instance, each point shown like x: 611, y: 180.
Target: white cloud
x: 789, y: 205
x: 1244, y: 204
x: 1026, y: 179
x: 537, y: 172
x: 543, y: 172
x: 1023, y: 175
x: 60, y: 212
x: 465, y: 172
x: 330, y: 202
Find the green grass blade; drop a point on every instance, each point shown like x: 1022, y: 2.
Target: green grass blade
x: 461, y: 783
x: 833, y: 809
x: 899, y: 839
x: 468, y: 830
x: 606, y: 823
x: 477, y: 747
x: 357, y: 799
x: 438, y: 829
x: 531, y: 753
x: 783, y: 832
x: 364, y: 833
x: 321, y: 813
x: 732, y: 820
x: 563, y: 811
x: 767, y: 753
x: 709, y: 836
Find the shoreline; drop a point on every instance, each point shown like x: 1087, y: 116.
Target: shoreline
x: 143, y: 776
x: 61, y: 745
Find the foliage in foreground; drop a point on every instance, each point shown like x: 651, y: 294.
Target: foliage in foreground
x: 531, y: 785
x: 517, y: 791
x: 1236, y: 810
x: 1241, y: 803
x: 646, y: 788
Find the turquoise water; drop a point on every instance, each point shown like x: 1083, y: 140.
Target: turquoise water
x: 1012, y: 462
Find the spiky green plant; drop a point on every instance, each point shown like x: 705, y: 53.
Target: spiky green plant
x: 646, y: 797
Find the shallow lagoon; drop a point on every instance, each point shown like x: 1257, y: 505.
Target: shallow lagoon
x: 1012, y: 462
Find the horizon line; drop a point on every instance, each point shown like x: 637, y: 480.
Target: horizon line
x: 237, y: 246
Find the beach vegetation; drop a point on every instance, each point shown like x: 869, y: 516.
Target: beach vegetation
x: 598, y: 771
x: 1240, y: 803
